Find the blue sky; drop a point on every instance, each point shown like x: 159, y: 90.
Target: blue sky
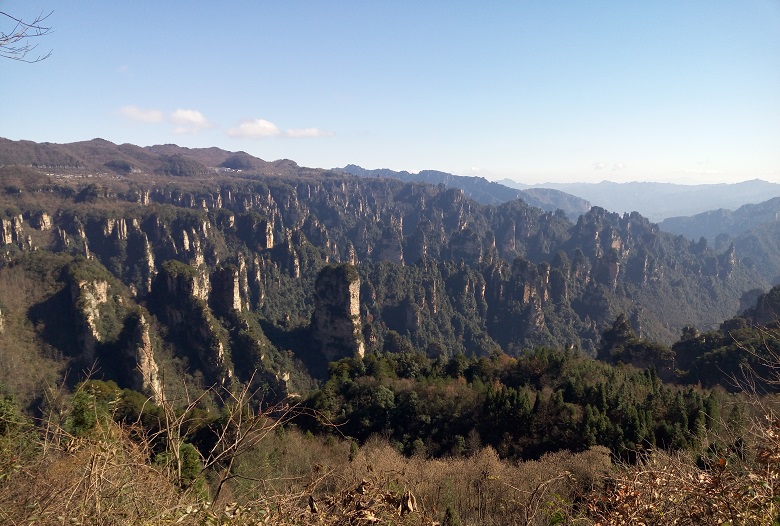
x: 679, y: 91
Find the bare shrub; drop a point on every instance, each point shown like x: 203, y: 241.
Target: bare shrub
x: 282, y: 476
x: 104, y: 480
x: 482, y: 489
x: 669, y: 489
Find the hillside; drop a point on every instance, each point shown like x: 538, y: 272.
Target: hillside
x: 761, y: 249
x: 754, y: 230
x: 712, y: 223
x: 99, y: 157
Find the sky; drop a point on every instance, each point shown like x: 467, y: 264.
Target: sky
x: 535, y: 91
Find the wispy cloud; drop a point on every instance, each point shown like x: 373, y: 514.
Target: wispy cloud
x: 308, y: 132
x: 615, y: 167
x: 193, y: 121
x: 189, y: 121
x: 255, y: 129
x: 135, y: 113
x: 261, y: 129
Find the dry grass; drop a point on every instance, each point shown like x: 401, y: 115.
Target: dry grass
x: 102, y: 480
x: 482, y: 489
x: 738, y: 488
x: 108, y: 478
x: 277, y: 475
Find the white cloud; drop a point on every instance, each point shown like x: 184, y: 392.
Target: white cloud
x: 189, y: 121
x: 255, y: 129
x: 140, y: 114
x: 308, y: 132
x: 261, y: 129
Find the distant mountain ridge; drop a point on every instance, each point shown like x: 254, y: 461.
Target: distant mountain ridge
x: 659, y: 201
x: 753, y: 229
x: 102, y: 156
x: 712, y: 223
x: 484, y: 191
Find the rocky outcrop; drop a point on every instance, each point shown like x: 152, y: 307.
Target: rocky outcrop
x: 146, y: 373
x: 336, y: 325
x: 6, y: 233
x: 390, y: 246
x: 12, y: 231
x: 727, y: 262
x: 226, y: 290
x: 180, y: 299
x: 88, y: 297
x: 184, y: 281
x: 467, y: 246
x: 41, y: 221
x: 145, y: 263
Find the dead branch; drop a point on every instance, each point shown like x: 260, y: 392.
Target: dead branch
x: 15, y: 44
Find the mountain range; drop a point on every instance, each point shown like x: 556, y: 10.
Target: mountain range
x: 484, y: 191
x: 160, y: 263
x: 659, y: 201
x: 713, y: 223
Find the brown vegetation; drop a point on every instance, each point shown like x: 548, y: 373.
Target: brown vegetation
x: 266, y: 473
x: 666, y: 488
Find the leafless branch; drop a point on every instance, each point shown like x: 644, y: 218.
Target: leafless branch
x: 16, y: 43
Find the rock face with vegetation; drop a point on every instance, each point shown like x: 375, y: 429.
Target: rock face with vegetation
x: 753, y: 230
x: 336, y: 325
x: 140, y: 352
x: 226, y: 262
x: 484, y: 191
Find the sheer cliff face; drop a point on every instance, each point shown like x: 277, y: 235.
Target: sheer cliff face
x: 182, y: 303
x: 89, y: 296
x: 140, y: 351
x: 336, y: 326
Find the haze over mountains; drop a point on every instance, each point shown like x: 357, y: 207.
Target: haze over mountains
x: 753, y: 227
x: 484, y: 191
x: 713, y: 223
x: 658, y: 201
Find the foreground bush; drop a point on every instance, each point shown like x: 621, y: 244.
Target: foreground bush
x: 105, y: 480
x: 71, y: 469
x: 738, y: 486
x: 110, y: 476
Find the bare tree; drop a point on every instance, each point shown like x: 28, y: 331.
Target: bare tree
x: 18, y: 43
